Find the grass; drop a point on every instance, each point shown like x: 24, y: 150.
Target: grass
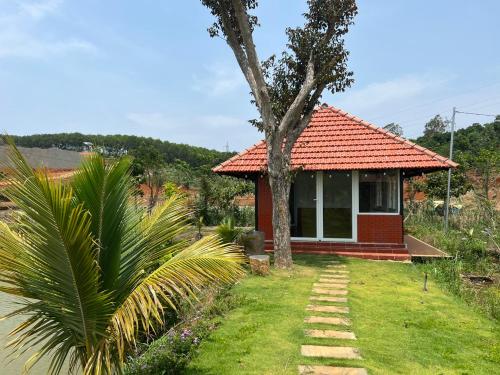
x: 400, y: 328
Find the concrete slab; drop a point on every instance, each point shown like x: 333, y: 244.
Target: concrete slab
x: 328, y: 299
x: 334, y: 276
x: 333, y: 292
x: 330, y: 285
x: 338, y: 352
x: 328, y: 308
x: 330, y: 370
x: 333, y: 280
x: 327, y: 320
x: 330, y: 334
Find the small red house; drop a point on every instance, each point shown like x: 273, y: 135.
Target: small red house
x: 346, y: 197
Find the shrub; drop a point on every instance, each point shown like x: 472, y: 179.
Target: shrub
x: 172, y: 352
x: 227, y: 231
x: 471, y: 241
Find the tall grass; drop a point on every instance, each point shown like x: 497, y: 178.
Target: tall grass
x: 472, y: 241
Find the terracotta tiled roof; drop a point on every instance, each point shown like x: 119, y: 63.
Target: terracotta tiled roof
x: 337, y: 140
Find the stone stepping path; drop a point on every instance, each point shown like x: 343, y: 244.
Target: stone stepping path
x: 331, y: 287
x: 333, y: 292
x: 330, y: 309
x: 328, y: 320
x: 333, y: 280
x: 330, y: 333
x: 337, y: 271
x: 339, y: 352
x: 328, y: 299
x: 334, y: 276
x: 331, y: 370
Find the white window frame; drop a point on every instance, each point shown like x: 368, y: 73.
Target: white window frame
x: 398, y: 201
x: 319, y: 211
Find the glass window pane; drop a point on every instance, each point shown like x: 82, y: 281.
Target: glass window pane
x: 337, y: 205
x: 303, y: 205
x: 378, y: 191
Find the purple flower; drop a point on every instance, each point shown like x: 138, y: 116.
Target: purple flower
x: 186, y: 333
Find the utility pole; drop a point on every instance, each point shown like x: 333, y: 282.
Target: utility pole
x: 447, y: 204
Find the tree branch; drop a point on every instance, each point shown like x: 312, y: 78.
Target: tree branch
x: 239, y: 53
x: 295, y: 132
x: 295, y: 109
x: 262, y: 95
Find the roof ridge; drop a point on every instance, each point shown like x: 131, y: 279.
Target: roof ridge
x: 241, y: 153
x: 402, y: 140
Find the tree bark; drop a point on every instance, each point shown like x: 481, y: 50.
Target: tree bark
x: 280, y: 183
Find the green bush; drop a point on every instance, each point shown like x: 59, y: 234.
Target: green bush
x: 471, y: 241
x: 171, y: 353
x: 227, y: 231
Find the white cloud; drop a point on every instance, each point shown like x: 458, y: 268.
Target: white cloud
x: 39, y: 9
x: 19, y: 44
x: 161, y: 121
x: 378, y: 94
x: 21, y: 33
x: 218, y: 80
x: 202, y: 130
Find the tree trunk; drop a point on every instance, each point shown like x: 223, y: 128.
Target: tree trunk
x: 280, y: 182
x: 280, y: 189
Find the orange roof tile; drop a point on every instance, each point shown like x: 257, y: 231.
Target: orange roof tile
x: 337, y: 140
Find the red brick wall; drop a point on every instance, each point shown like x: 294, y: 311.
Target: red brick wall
x: 371, y: 228
x: 265, y: 208
x: 380, y: 228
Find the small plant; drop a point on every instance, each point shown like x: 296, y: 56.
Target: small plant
x: 227, y: 231
x: 199, y: 227
x: 172, y: 352
x: 170, y: 189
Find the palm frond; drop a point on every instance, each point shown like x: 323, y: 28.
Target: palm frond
x: 104, y: 190
x: 205, y: 262
x: 54, y: 262
x: 147, y: 243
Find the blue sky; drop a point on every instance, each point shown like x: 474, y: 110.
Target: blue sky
x: 149, y: 67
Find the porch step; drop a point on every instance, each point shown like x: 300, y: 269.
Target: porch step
x: 330, y: 370
x: 364, y: 255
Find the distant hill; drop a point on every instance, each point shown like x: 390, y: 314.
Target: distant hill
x: 51, y: 158
x: 467, y: 141
x: 119, y: 144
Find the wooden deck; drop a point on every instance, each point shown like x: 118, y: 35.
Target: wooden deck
x: 421, y: 249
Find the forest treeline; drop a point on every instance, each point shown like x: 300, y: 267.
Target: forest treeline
x: 120, y: 144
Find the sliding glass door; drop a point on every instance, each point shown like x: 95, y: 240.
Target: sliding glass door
x: 337, y: 205
x: 303, y: 205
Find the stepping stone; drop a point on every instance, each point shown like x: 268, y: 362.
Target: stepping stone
x: 330, y: 370
x: 336, y: 266
x: 329, y: 280
x: 328, y: 299
x: 330, y: 309
x: 336, y: 271
x: 335, y: 277
x: 338, y: 352
x: 328, y: 320
x: 329, y: 334
x: 333, y: 292
x: 330, y: 285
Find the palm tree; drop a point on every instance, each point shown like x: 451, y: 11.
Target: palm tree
x: 91, y: 271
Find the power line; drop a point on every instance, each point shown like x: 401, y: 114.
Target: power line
x: 476, y: 114
x: 447, y: 203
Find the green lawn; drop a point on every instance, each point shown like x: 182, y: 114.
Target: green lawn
x: 400, y: 328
